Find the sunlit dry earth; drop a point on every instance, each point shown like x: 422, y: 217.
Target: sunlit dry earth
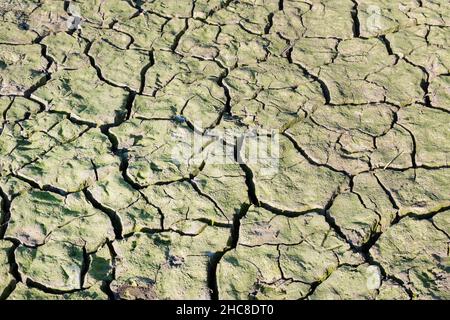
x: 126, y: 143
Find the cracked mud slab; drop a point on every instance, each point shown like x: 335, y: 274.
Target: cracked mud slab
x: 105, y: 193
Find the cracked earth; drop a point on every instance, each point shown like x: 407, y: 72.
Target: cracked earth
x: 94, y: 207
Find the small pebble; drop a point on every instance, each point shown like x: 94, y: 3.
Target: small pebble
x: 24, y: 26
x: 179, y: 119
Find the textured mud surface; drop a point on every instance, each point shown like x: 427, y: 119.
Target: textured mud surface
x: 95, y: 96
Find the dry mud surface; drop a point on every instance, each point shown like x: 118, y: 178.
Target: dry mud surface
x: 95, y: 96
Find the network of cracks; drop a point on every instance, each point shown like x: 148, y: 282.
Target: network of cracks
x: 96, y: 98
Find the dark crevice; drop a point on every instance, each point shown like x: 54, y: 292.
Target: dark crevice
x: 14, y: 272
x: 222, y: 5
x: 6, y: 210
x: 111, y: 137
x: 249, y: 181
x: 332, y: 222
x: 74, y: 120
x: 287, y: 52
x: 94, y: 167
x: 84, y: 267
x: 13, y: 266
x: 237, y: 224
x: 422, y: 166
x: 309, y: 159
x: 414, y: 147
x: 226, y: 91
x: 424, y: 83
x: 97, y: 68
x: 144, y: 72
x: 385, y: 275
x: 374, y: 235
x: 106, y: 284
x: 356, y: 23
x: 44, y: 187
x: 212, y: 274
x: 137, y: 4
x: 153, y: 231
x: 447, y: 234
x: 232, y: 244
x: 47, y: 75
x: 425, y: 216
x: 387, y: 44
x: 106, y: 288
x: 323, y: 85
x: 387, y: 192
x: 5, y: 112
x: 287, y: 213
x: 129, y: 104
x: 7, y: 290
x: 325, y: 90
x: 365, y: 248
x: 66, y: 5
x: 113, y: 216
x: 269, y: 23
x: 201, y: 193
x: 213, y: 223
x: 249, y: 177
x: 316, y: 284
x: 123, y: 169
x: 179, y: 36
x: 165, y: 183
x: 36, y: 285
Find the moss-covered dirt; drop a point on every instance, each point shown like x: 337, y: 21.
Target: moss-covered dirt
x: 96, y: 98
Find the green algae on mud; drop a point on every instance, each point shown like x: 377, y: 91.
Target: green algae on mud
x: 106, y: 194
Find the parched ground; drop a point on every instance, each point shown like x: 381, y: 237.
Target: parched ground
x: 95, y: 96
